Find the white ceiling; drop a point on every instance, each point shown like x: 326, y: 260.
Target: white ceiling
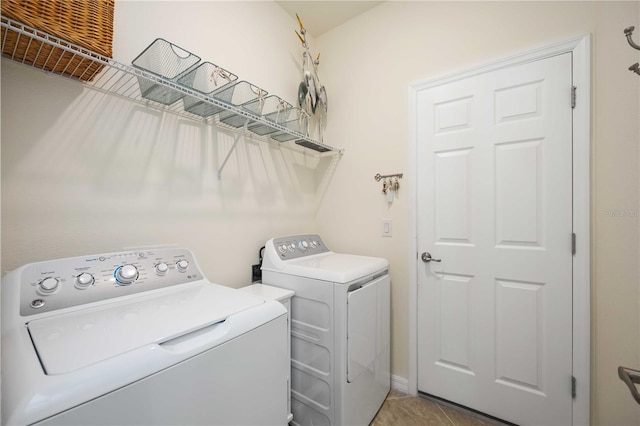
x: 319, y: 17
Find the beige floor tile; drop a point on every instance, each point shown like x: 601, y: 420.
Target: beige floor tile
x: 410, y: 411
x: 394, y: 394
x: 460, y: 418
x: 402, y: 410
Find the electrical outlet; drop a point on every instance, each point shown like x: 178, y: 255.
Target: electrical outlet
x: 256, y: 273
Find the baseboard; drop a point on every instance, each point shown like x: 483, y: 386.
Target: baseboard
x: 399, y: 384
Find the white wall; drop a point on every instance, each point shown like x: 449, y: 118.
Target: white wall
x: 83, y: 173
x: 616, y: 175
x: 87, y: 173
x: 368, y: 65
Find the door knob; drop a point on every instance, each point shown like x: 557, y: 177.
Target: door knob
x: 426, y: 257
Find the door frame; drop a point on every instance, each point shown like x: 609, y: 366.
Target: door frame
x: 580, y: 47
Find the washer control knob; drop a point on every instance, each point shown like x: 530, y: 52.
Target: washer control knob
x: 84, y: 280
x: 182, y: 265
x: 48, y: 285
x: 126, y: 274
x: 303, y: 245
x: 314, y: 244
x: 161, y: 268
x: 282, y: 248
x: 292, y: 247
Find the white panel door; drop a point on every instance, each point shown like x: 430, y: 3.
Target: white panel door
x: 494, y: 204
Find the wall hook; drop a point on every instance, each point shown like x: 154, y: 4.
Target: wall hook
x: 378, y: 176
x: 390, y: 184
x: 635, y: 68
x: 628, y: 32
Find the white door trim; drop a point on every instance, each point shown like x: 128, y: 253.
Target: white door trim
x: 580, y: 47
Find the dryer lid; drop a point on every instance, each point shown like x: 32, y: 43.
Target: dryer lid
x: 335, y: 267
x: 74, y: 340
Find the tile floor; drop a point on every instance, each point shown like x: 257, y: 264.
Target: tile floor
x: 403, y: 410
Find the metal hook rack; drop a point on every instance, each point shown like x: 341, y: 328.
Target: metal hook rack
x: 630, y: 377
x: 628, y: 32
x: 389, y: 187
x: 379, y: 177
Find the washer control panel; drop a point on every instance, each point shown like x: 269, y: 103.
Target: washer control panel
x: 295, y: 246
x: 63, y: 283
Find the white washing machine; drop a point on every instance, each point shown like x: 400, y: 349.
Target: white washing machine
x: 138, y: 338
x: 340, y: 329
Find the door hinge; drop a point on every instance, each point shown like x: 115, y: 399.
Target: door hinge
x: 573, y: 243
x: 573, y: 96
x: 573, y: 387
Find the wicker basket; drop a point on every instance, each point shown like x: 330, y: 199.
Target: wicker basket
x: 86, y: 23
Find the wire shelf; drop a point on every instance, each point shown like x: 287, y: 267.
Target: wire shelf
x: 109, y: 76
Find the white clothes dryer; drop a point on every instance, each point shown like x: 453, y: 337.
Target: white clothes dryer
x: 138, y: 338
x: 340, y: 329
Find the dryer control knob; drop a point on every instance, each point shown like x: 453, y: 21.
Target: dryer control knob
x: 84, y: 280
x: 126, y: 274
x: 161, y: 268
x: 182, y: 265
x: 48, y: 285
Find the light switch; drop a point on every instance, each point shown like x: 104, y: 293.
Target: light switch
x: 387, y: 228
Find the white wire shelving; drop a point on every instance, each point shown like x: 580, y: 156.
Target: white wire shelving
x: 51, y: 54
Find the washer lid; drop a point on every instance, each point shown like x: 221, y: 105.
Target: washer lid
x: 74, y: 340
x: 335, y: 267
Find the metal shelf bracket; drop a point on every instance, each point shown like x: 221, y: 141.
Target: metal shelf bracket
x: 233, y: 147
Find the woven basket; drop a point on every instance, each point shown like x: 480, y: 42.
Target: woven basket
x: 86, y: 23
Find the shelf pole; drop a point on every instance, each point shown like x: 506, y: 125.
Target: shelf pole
x: 233, y: 147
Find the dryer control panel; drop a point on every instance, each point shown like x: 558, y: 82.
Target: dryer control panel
x: 63, y: 283
x: 295, y: 246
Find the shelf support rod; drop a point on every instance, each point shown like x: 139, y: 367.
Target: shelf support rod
x: 233, y: 147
